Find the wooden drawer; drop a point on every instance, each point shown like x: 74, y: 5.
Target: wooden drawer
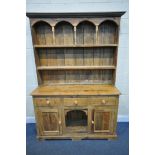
x: 47, y: 101
x: 90, y: 101
x: 75, y: 101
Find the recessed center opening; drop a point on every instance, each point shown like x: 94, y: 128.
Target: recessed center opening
x: 75, y: 118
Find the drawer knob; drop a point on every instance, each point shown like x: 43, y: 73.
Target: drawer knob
x: 59, y: 122
x: 48, y: 102
x: 92, y: 122
x: 103, y: 101
x: 75, y: 102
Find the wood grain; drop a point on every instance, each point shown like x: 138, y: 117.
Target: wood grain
x: 43, y: 33
x: 64, y: 34
x: 107, y: 33
x: 76, y: 62
x: 85, y: 33
x: 74, y: 89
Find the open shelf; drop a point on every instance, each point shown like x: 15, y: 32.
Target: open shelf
x: 64, y: 34
x: 76, y: 57
x: 85, y: 33
x: 42, y: 33
x: 108, y: 32
x: 78, y: 76
x: 75, y: 46
x: 83, y: 52
x: 74, y: 67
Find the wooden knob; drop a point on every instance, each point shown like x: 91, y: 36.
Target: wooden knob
x: 48, y: 102
x: 75, y: 102
x: 59, y: 122
x: 92, y: 122
x: 103, y: 101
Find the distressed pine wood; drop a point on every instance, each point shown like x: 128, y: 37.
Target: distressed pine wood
x: 75, y: 46
x: 64, y: 34
x: 85, y: 33
x: 107, y: 33
x: 74, y: 76
x: 103, y: 120
x: 43, y: 33
x: 48, y: 121
x: 74, y: 57
x: 74, y: 89
x: 44, y: 67
x: 76, y: 60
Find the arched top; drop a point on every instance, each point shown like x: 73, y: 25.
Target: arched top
x: 109, y: 21
x: 40, y: 22
x: 63, y: 21
x: 86, y: 21
x: 77, y: 110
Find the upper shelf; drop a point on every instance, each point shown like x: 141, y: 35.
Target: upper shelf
x: 74, y: 46
x: 85, y: 33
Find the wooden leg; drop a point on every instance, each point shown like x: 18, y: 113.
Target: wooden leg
x: 112, y: 138
x: 76, y: 138
x: 40, y: 138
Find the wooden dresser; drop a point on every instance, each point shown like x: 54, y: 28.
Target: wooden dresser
x: 76, y: 60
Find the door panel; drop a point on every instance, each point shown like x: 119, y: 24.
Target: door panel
x: 49, y: 121
x: 103, y: 120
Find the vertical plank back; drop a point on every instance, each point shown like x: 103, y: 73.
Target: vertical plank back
x: 86, y: 33
x: 107, y: 33
x: 43, y: 34
x: 64, y: 34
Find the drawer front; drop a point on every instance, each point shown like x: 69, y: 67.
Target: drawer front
x: 90, y: 101
x: 47, y: 101
x: 75, y: 101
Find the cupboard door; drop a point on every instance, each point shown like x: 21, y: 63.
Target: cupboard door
x: 49, y: 121
x: 103, y: 120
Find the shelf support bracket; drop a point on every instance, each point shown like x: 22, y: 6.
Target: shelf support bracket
x: 75, y: 35
x: 53, y: 32
x: 96, y: 37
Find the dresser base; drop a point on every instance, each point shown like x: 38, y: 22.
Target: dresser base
x: 73, y: 116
